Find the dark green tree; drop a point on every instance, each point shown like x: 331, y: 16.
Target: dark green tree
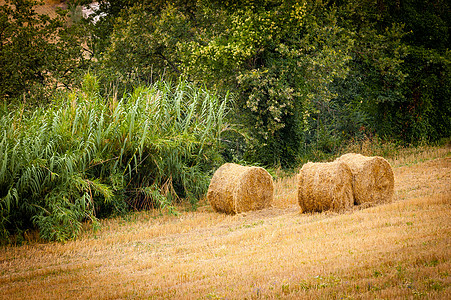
x: 38, y: 54
x: 399, y: 86
x: 306, y: 74
x: 280, y: 57
x: 277, y: 57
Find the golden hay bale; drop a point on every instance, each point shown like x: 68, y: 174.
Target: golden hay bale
x: 373, y: 179
x: 325, y: 186
x: 235, y: 189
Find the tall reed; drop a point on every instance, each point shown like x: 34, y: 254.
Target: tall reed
x: 86, y: 156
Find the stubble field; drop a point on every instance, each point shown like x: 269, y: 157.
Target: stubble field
x: 396, y: 250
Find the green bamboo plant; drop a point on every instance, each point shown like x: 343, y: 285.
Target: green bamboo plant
x: 86, y: 157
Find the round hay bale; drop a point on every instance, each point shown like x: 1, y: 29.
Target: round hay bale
x: 235, y: 189
x: 325, y: 186
x: 373, y: 180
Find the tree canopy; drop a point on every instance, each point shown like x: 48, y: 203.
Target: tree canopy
x: 305, y: 74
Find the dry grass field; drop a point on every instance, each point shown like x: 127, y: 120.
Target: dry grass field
x: 400, y: 250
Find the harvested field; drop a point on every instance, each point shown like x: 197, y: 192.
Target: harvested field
x: 396, y: 250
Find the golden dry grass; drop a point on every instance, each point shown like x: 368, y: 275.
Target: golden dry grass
x: 390, y: 251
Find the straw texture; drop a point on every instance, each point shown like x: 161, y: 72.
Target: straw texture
x: 325, y: 186
x: 373, y: 179
x: 235, y: 189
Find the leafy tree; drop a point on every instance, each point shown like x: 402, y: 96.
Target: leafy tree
x: 280, y: 59
x: 428, y: 63
x: 144, y: 47
x: 399, y: 85
x: 37, y: 53
x: 306, y: 73
x: 112, y: 16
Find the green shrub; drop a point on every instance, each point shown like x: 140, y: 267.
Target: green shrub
x: 86, y: 156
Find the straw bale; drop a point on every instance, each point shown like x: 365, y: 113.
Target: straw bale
x: 235, y: 189
x: 325, y: 186
x: 373, y: 179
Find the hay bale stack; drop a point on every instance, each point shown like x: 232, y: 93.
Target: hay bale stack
x: 235, y: 189
x: 373, y: 179
x: 325, y: 186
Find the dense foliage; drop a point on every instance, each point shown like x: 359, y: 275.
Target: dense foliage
x: 85, y: 156
x: 38, y: 54
x: 307, y: 76
x: 400, y: 68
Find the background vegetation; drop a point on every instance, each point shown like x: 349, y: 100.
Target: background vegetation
x: 306, y: 78
x: 84, y: 156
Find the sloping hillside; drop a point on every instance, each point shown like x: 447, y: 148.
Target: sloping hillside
x: 397, y: 250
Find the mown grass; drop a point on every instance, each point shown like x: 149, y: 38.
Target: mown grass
x: 391, y: 251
